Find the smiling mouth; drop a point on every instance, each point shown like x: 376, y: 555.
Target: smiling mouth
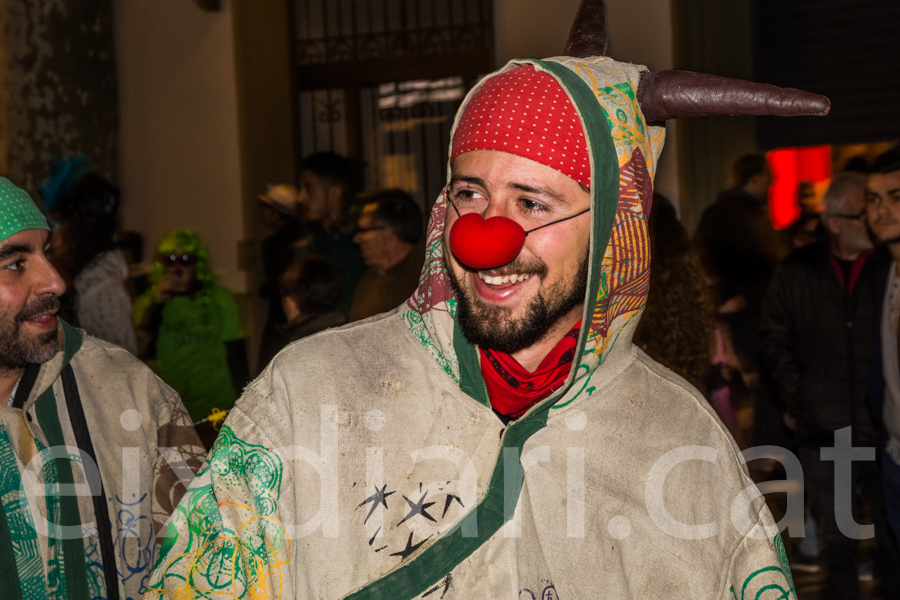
x: 498, y: 280
x: 43, y: 317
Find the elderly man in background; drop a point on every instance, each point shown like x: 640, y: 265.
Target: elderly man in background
x: 390, y: 240
x: 819, y: 319
x: 79, y: 409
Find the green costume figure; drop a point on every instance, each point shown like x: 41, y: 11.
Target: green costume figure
x: 190, y: 326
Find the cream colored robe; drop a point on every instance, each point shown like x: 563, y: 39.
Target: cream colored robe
x: 365, y: 462
x: 144, y: 442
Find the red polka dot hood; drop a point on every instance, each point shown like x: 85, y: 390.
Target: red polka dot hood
x: 585, y: 121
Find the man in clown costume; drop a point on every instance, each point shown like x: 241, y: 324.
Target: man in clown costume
x: 498, y: 435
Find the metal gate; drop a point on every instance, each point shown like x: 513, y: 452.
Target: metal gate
x: 380, y: 81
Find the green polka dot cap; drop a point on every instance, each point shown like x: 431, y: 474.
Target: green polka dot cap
x: 17, y: 210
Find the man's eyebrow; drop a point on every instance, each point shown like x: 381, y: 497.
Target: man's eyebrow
x: 11, y: 250
x: 893, y: 192
x: 467, y: 179
x: 541, y: 191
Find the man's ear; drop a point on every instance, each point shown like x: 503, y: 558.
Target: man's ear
x: 291, y: 310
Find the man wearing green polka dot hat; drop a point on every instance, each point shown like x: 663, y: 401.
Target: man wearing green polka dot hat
x: 61, y: 389
x: 19, y: 211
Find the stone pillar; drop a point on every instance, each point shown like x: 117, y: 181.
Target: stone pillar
x: 58, y: 93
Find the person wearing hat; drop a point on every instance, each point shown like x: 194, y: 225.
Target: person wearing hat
x: 190, y: 330
x: 278, y: 213
x: 77, y: 410
x: 498, y: 436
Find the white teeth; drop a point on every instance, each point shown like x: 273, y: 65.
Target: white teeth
x: 498, y: 280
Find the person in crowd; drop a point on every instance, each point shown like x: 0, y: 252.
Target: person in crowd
x: 499, y: 436
x: 191, y: 332
x: 816, y: 340
x: 808, y: 228
x: 390, y: 239
x: 740, y: 249
x: 678, y: 326
x: 883, y: 217
x: 85, y: 250
x: 310, y: 295
x: 278, y: 213
x: 328, y: 182
x: 131, y: 244
x: 64, y: 389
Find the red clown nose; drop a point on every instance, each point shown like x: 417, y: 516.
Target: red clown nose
x: 486, y: 244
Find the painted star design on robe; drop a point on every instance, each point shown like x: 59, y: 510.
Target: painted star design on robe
x: 447, y: 582
x: 379, y: 497
x: 418, y: 508
x: 410, y: 547
x: 449, y: 501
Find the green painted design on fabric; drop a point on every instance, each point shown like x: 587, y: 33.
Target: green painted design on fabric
x: 29, y: 571
x: 242, y: 551
x: 417, y: 326
x: 431, y: 564
x: 56, y: 564
x: 18, y: 211
x: 784, y: 592
x: 95, y: 576
x: 74, y: 572
x: 622, y: 94
x: 781, y: 552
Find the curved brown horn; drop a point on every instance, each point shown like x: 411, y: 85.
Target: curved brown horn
x: 673, y: 94
x: 588, y: 34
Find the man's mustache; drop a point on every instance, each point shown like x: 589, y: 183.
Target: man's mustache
x: 521, y: 267
x: 39, y: 307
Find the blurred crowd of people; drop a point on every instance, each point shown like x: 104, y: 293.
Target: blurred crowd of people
x: 791, y: 335
x: 333, y: 255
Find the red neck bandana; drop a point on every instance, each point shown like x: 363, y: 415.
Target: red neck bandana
x: 526, y: 113
x: 512, y: 390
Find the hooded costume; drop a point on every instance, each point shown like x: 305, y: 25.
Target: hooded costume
x: 367, y: 462
x: 93, y: 408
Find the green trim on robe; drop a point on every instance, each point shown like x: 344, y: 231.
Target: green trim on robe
x: 498, y: 505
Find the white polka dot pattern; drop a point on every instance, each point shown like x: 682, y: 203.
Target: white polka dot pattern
x: 17, y: 210
x: 526, y: 113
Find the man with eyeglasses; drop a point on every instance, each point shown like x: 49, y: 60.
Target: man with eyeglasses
x: 389, y: 236
x: 819, y: 319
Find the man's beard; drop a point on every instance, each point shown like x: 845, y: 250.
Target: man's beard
x: 490, y: 326
x: 18, y: 351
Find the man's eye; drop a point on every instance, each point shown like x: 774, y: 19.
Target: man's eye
x: 532, y: 207
x: 464, y: 195
x: 16, y: 265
